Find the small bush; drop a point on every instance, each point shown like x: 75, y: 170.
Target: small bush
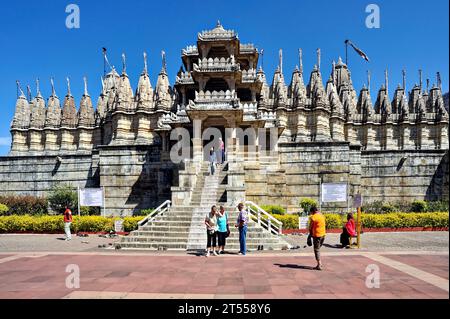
x: 3, y: 209
x: 288, y: 221
x: 437, y: 206
x: 419, y: 206
x: 23, y: 205
x: 307, y: 203
x: 89, y: 211
x: 61, y: 196
x: 143, y: 212
x: 55, y: 224
x: 274, y: 209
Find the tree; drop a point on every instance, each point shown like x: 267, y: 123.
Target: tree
x: 61, y: 196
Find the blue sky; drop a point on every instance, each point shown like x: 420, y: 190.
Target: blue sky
x: 36, y: 43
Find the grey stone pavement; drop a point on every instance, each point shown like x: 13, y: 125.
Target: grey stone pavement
x: 389, y: 241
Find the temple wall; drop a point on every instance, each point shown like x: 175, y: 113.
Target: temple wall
x: 135, y: 178
x: 378, y: 175
x: 35, y: 175
x: 404, y: 175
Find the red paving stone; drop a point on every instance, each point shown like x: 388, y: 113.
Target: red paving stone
x: 249, y: 277
x: 434, y: 264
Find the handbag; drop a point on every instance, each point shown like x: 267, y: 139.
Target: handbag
x: 309, y: 240
x: 228, y: 231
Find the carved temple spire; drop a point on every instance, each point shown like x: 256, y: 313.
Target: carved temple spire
x: 86, y: 111
x: 144, y: 91
x: 38, y: 109
x: 22, y: 112
x: 69, y: 111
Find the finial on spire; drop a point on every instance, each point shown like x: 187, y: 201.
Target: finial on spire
x: 438, y: 80
x: 420, y: 79
x: 124, y: 64
x: 300, y: 58
x: 333, y: 71
x: 318, y: 59
x: 386, y: 80
x: 163, y: 57
x: 28, y: 93
x: 85, y: 86
x: 404, y: 79
x: 280, y: 57
x: 145, y: 62
x: 19, y: 89
x: 218, y: 23
x: 68, y: 86
x: 368, y: 81
x: 428, y: 85
x: 52, y: 83
x: 38, y: 90
x: 103, y: 85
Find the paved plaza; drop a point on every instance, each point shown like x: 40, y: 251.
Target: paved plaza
x: 405, y: 271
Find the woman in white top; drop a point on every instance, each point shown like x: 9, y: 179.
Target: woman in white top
x: 211, y: 231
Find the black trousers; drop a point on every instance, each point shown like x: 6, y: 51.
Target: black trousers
x: 211, y: 239
x: 345, y: 238
x: 222, y: 236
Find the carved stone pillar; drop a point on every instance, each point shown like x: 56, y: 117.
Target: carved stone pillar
x: 36, y: 140
x: 370, y: 136
x: 424, y: 137
x: 443, y: 136
x: 389, y: 143
x: 19, y: 141
x: 337, y: 129
x: 52, y: 143
x: 405, y: 137
x: 302, y: 134
x: 322, y: 125
x: 85, y: 139
x: 69, y: 139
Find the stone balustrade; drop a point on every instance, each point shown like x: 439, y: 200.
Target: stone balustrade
x: 184, y: 78
x: 190, y: 50
x: 216, y: 65
x: 248, y: 75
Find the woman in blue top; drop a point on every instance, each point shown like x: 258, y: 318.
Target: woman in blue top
x: 223, y: 230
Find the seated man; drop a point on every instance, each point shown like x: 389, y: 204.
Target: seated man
x: 348, y: 231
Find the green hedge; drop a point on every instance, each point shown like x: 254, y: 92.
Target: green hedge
x: 390, y: 220
x: 24, y: 205
x: 52, y: 224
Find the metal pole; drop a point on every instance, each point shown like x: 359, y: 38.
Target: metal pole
x: 79, y: 214
x: 320, y: 194
x: 346, y: 54
x: 104, y: 202
x: 358, y: 228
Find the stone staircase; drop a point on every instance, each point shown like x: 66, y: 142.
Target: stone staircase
x: 183, y: 228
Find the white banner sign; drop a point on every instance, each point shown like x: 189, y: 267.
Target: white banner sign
x: 91, y: 197
x: 118, y: 225
x: 303, y: 222
x: 333, y: 192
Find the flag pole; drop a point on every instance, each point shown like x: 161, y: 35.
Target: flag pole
x: 346, y: 53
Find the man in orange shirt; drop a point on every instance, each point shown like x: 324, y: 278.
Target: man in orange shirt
x: 317, y: 232
x: 67, y: 222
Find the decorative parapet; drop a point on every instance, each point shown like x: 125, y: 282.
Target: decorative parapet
x: 248, y: 76
x: 267, y: 116
x: 184, y: 78
x: 215, y: 100
x: 250, y: 110
x: 217, y: 65
x: 218, y: 33
x: 190, y: 50
x: 247, y: 48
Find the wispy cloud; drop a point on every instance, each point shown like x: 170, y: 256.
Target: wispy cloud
x: 5, y: 141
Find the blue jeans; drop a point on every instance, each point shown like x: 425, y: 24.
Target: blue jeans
x: 242, y: 239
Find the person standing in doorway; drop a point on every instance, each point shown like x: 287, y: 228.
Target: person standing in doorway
x: 223, y: 229
x: 317, y: 232
x: 222, y: 149
x: 67, y: 222
x: 212, y: 159
x: 211, y: 231
x: 242, y: 222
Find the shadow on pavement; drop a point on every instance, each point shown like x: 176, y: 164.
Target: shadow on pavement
x: 294, y: 266
x: 336, y: 246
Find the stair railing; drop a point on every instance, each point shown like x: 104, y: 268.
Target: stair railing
x: 264, y: 219
x: 161, y: 209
